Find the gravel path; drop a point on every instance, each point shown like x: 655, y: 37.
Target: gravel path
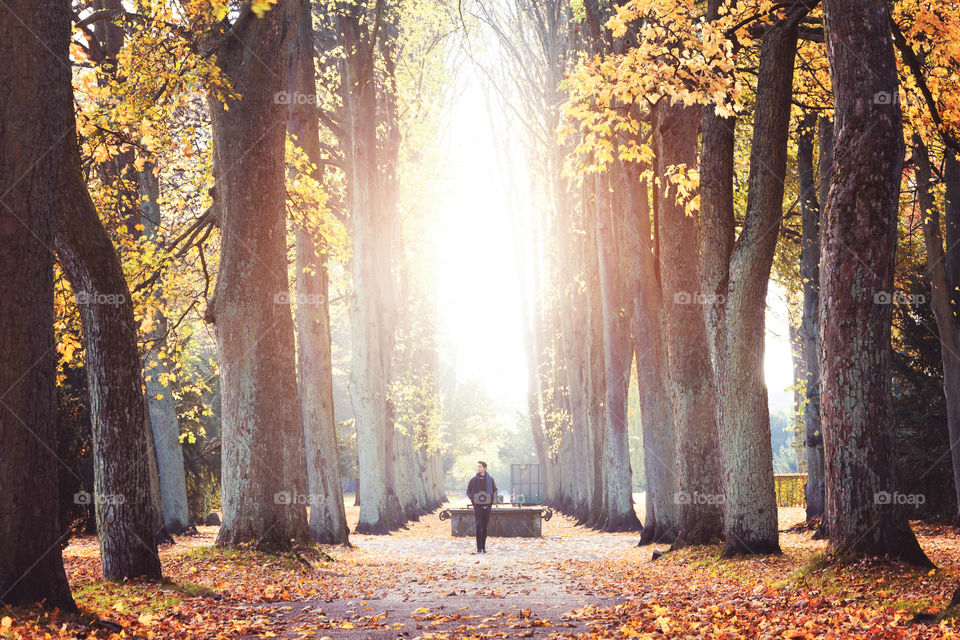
x: 433, y: 586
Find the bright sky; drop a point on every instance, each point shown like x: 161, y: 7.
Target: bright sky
x: 479, y: 300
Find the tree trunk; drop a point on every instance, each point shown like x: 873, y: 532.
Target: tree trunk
x: 750, y: 507
x: 328, y: 521
x: 699, y: 496
x: 165, y: 427
x: 656, y: 414
x: 592, y: 493
x: 127, y: 521
x: 533, y: 331
x: 616, y: 477
x: 35, y: 103
x: 405, y: 470
x: 262, y: 457
x: 135, y: 202
x: 794, y: 302
x: 939, y: 263
x: 162, y: 409
x: 373, y: 303
x: 810, y: 276
x: 858, y: 242
x: 952, y: 388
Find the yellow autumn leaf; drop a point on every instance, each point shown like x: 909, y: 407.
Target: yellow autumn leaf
x: 664, y: 623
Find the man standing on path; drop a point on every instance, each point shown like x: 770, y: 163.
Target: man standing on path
x: 481, y: 490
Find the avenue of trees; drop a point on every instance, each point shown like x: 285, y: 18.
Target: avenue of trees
x: 196, y: 196
x: 695, y: 165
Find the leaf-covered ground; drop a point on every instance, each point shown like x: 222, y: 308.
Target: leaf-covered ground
x: 420, y: 582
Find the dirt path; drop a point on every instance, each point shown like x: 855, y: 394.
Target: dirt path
x: 434, y: 586
x: 422, y: 583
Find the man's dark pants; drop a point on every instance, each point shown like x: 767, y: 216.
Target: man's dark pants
x: 482, y: 515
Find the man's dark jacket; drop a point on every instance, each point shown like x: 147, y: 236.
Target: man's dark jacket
x: 477, y: 484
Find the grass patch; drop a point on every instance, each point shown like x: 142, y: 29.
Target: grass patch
x: 105, y: 598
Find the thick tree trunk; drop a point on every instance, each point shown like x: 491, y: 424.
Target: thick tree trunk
x: 858, y: 241
x: 692, y: 396
x: 750, y: 508
x: 810, y: 276
x: 373, y: 297
x: 941, y: 265
x: 34, y: 105
x: 263, y: 465
x: 656, y: 414
x: 328, y: 521
x: 127, y: 521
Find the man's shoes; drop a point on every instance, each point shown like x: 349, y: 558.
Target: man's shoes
x: 483, y: 551
x: 477, y: 552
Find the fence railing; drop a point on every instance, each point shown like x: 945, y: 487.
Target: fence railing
x: 789, y: 488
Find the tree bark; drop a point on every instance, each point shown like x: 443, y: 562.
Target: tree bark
x: 124, y: 482
x: 810, y: 276
x: 34, y: 105
x: 135, y: 200
x: 656, y: 414
x: 952, y: 231
x: 616, y: 477
x: 750, y: 509
x: 161, y: 407
x: 373, y: 297
x: 941, y: 265
x: 165, y: 426
x: 328, y: 521
x: 692, y: 395
x: 262, y: 457
x: 794, y: 300
x: 858, y: 242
